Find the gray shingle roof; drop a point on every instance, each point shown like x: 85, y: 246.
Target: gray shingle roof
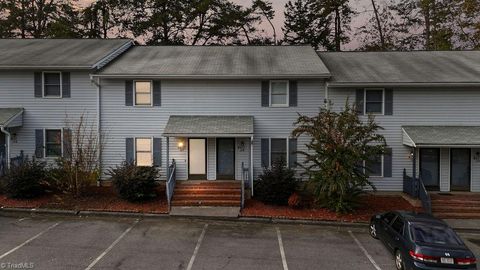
x: 443, y: 135
x: 56, y: 53
x: 7, y: 114
x: 209, y: 126
x: 219, y: 61
x: 429, y: 67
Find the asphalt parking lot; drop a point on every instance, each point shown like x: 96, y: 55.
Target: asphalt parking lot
x: 127, y: 243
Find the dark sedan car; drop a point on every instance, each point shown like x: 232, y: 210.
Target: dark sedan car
x: 420, y: 241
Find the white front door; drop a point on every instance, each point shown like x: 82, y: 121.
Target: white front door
x: 197, y: 159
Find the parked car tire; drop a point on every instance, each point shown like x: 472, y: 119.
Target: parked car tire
x: 399, y: 262
x: 373, y: 230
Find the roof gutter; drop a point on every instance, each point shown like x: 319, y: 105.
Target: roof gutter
x: 401, y: 85
x: 45, y: 67
x: 154, y: 76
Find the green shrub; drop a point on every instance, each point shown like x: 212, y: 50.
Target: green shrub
x: 276, y: 184
x: 134, y: 183
x: 24, y: 180
x: 68, y: 177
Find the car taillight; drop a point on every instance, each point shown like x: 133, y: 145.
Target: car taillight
x: 423, y: 257
x: 465, y: 261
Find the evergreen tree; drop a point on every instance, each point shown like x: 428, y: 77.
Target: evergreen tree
x: 305, y: 24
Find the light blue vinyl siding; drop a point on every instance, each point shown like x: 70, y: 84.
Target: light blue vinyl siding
x: 17, y: 90
x: 201, y: 97
x: 438, y: 106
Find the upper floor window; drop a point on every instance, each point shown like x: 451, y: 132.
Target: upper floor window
x: 53, y: 142
x: 374, y: 101
x: 52, y: 84
x: 143, y: 152
x: 279, y: 93
x: 143, y: 93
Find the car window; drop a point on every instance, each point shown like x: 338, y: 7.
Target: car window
x: 388, y: 217
x: 434, y: 234
x: 398, y: 225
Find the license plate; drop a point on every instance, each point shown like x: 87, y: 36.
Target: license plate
x: 446, y: 260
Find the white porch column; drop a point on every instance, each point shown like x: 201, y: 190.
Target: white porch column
x: 251, y: 165
x: 7, y: 144
x: 168, y: 157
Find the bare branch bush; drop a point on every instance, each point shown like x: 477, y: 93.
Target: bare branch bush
x: 80, y: 166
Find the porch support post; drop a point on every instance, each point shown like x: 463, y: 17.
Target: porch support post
x: 168, y: 157
x: 7, y: 142
x: 251, y: 165
x: 414, y: 172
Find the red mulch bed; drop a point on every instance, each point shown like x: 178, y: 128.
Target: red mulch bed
x: 371, y: 205
x: 96, y: 199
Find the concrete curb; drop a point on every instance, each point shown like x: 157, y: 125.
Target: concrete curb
x: 120, y: 214
x: 304, y: 222
x: 50, y: 212
x: 40, y: 211
x: 69, y: 213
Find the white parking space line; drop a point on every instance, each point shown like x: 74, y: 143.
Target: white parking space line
x: 111, y: 246
x: 197, y: 247
x: 28, y: 241
x: 22, y: 219
x: 370, y: 258
x: 282, y: 250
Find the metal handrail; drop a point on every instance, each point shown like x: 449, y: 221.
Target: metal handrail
x: 416, y: 188
x: 409, y: 186
x: 245, y: 177
x: 424, y: 197
x: 171, y: 179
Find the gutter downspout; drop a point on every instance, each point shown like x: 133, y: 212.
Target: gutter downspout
x: 4, y: 131
x: 251, y: 165
x: 326, y: 101
x: 99, y: 127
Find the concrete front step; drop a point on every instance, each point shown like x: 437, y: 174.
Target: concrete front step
x: 206, y: 202
x: 180, y: 191
x: 206, y: 211
x: 455, y: 203
x: 212, y: 183
x: 199, y: 197
x: 456, y: 209
x: 457, y: 215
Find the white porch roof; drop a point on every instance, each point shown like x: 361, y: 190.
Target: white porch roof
x: 441, y: 136
x: 208, y: 126
x: 11, y: 117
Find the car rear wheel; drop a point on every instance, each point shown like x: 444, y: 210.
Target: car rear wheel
x: 373, y: 230
x: 399, y: 263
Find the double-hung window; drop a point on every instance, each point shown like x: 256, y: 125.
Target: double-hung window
x: 53, y: 142
x: 52, y: 84
x: 278, y: 150
x: 374, y: 166
x: 374, y: 101
x: 143, y: 93
x: 279, y: 93
x: 143, y: 152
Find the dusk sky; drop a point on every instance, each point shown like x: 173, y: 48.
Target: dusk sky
x: 363, y: 7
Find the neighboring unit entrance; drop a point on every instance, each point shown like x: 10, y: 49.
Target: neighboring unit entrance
x: 460, y: 169
x: 430, y: 168
x: 197, y: 159
x: 226, y: 159
x: 3, y: 153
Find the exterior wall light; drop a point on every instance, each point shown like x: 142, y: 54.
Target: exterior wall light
x: 181, y: 144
